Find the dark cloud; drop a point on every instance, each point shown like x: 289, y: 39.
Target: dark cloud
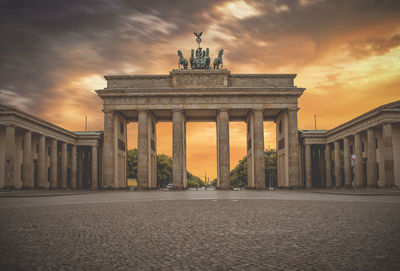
x: 47, y: 44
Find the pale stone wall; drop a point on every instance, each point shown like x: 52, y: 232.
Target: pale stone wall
x: 396, y: 153
x: 2, y: 157
x: 261, y: 80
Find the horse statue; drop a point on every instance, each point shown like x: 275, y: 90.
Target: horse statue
x: 207, y: 57
x: 218, y: 61
x: 192, y: 60
x: 182, y: 61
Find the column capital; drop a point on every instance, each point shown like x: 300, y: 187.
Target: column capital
x: 223, y: 109
x: 177, y: 110
x: 258, y: 109
x: 142, y: 110
x: 108, y: 110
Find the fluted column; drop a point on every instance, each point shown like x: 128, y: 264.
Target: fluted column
x: 42, y: 182
x: 328, y: 162
x: 178, y: 149
x: 388, y: 160
x: 80, y: 169
x: 64, y: 165
x: 358, y: 167
x: 94, y: 168
x: 53, y: 164
x: 223, y: 149
x: 73, y: 166
x: 259, y: 155
x: 347, y: 162
x: 143, y: 150
x: 338, y: 165
x: 308, y: 165
x: 28, y: 174
x: 293, y: 150
x: 108, y: 150
x: 371, y: 159
x: 10, y: 149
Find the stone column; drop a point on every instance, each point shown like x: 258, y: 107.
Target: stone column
x: 371, y: 156
x: 64, y: 165
x: 53, y: 164
x: 143, y: 150
x: 258, y: 154
x: 358, y: 167
x: 94, y: 168
x: 10, y: 178
x: 328, y: 165
x: 80, y: 169
x: 347, y: 162
x: 223, y: 149
x: 388, y: 161
x: 338, y: 165
x: 108, y: 150
x: 308, y: 166
x: 293, y: 150
x: 28, y: 174
x: 178, y: 145
x: 73, y: 167
x: 42, y: 182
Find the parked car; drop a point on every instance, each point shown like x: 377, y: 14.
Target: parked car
x: 169, y: 186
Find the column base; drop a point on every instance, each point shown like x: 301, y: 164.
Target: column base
x: 179, y: 188
x: 373, y: 185
x: 347, y: 186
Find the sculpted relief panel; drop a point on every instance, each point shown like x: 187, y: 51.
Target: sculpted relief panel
x: 193, y: 80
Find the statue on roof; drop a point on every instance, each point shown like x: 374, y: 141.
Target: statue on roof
x: 200, y: 59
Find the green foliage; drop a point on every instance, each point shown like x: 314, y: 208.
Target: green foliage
x: 164, y: 170
x: 132, y: 163
x: 194, y: 181
x: 214, y: 182
x: 238, y: 176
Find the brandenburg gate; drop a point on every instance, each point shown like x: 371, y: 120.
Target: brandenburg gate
x: 200, y: 95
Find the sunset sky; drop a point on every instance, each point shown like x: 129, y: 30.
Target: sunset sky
x: 54, y: 54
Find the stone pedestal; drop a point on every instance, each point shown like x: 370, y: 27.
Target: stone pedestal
x: 223, y: 149
x: 179, y: 175
x: 347, y: 162
x: 372, y: 180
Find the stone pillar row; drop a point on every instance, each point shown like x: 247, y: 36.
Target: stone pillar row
x: 386, y: 152
x: 27, y: 179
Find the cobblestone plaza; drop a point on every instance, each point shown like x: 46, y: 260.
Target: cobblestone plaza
x: 201, y: 230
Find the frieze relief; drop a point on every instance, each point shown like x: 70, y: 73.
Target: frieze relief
x: 190, y: 80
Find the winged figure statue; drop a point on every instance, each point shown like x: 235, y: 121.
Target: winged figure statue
x: 198, y: 35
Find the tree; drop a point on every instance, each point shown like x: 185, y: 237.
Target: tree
x: 238, y: 175
x: 132, y: 163
x: 164, y: 170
